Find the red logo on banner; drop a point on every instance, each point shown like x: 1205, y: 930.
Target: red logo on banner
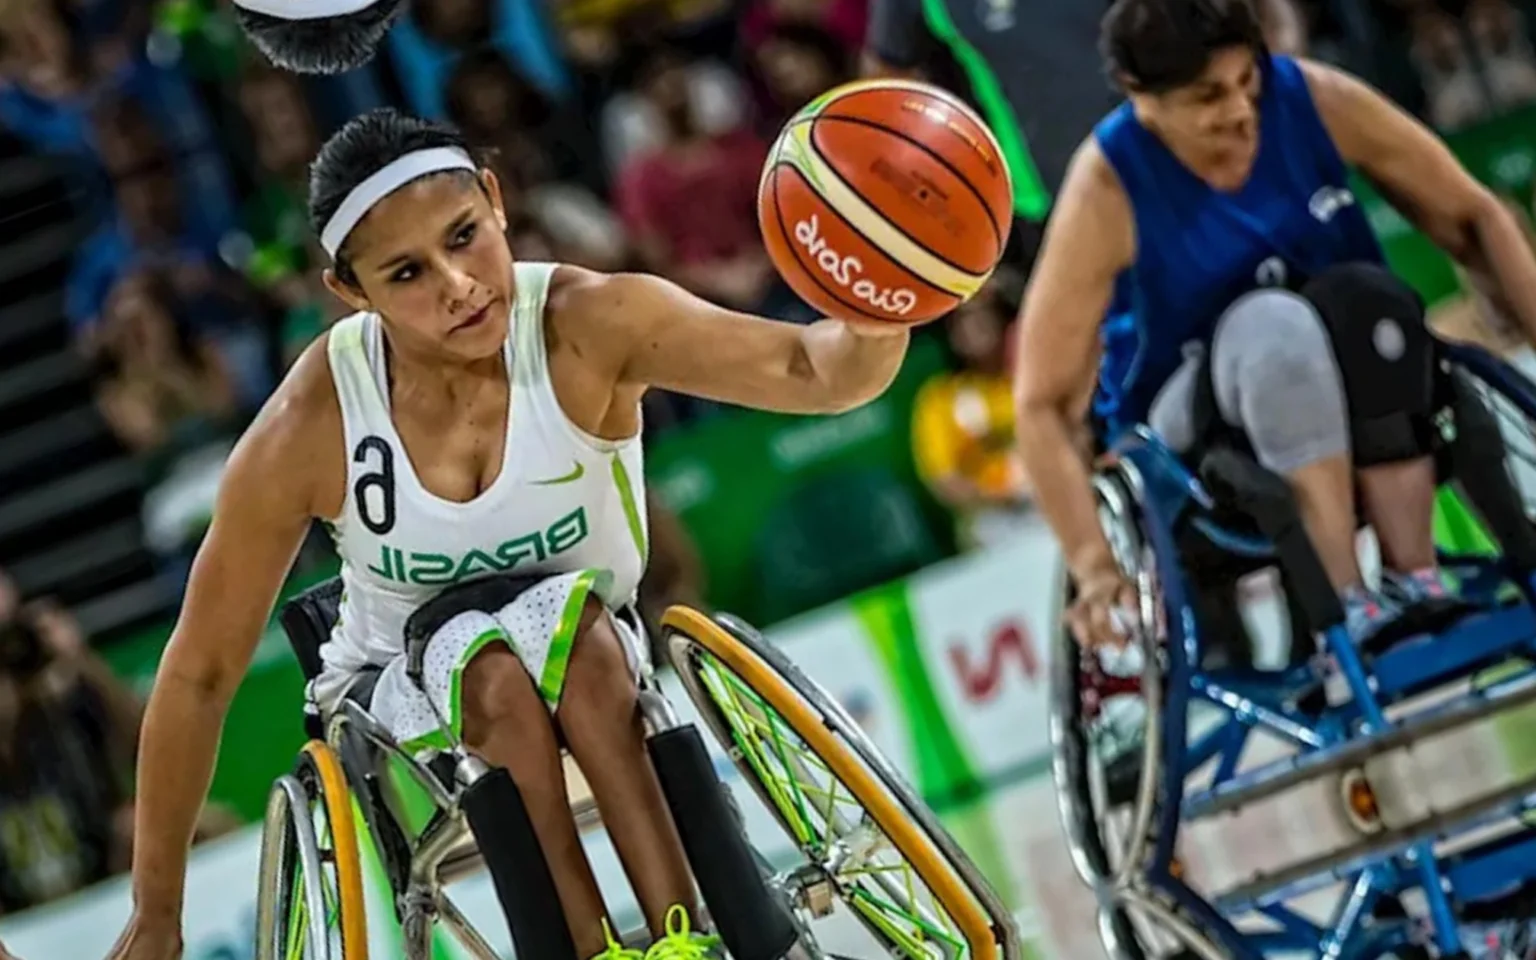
x: 1011, y: 641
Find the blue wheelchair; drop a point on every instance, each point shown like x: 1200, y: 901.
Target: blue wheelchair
x: 1404, y: 891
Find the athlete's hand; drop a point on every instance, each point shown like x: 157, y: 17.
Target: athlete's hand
x: 876, y: 329
x: 1104, y: 611
x: 147, y: 939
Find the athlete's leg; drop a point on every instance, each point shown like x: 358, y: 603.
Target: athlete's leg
x: 600, y: 717
x: 1399, y: 500
x: 507, y: 724
x: 1274, y: 375
x: 1377, y: 330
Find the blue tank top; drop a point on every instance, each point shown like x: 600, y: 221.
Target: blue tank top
x: 1199, y: 249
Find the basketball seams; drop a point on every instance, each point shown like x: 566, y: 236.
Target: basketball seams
x: 997, y: 233
x: 912, y: 86
x: 916, y: 259
x: 942, y: 160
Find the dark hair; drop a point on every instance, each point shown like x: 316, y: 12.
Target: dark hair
x: 327, y: 45
x: 833, y: 54
x: 531, y: 107
x: 1153, y: 46
x: 427, y: 16
x: 362, y: 147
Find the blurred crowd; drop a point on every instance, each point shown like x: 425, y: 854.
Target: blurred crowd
x: 68, y: 737
x: 201, y: 281
x: 626, y: 133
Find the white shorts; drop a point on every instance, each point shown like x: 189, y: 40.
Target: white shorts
x: 539, y: 625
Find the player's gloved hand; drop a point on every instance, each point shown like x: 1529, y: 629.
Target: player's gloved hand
x: 148, y: 939
x: 1103, y: 613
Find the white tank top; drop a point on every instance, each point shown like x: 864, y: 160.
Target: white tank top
x: 563, y: 501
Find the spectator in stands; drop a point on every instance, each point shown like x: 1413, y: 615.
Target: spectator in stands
x: 169, y: 386
x: 68, y: 733
x: 428, y: 42
x: 841, y: 20
x: 537, y: 141
x: 797, y: 63
x: 1499, y: 36
x: 57, y: 78
x: 631, y: 120
x: 962, y: 421
x: 1454, y: 95
x: 283, y: 259
x: 159, y: 379
x: 152, y: 226
x: 540, y: 153
x: 690, y: 201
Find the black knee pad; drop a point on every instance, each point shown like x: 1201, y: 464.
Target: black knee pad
x: 1386, y: 355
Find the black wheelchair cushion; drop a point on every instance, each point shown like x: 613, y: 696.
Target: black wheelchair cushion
x: 487, y: 594
x: 307, y: 619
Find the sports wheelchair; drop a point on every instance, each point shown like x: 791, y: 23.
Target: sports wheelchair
x: 1404, y: 890
x: 864, y: 838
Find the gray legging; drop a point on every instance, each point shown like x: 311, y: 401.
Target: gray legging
x: 1275, y: 378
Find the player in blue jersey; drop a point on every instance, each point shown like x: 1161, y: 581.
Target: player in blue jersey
x: 1207, y: 229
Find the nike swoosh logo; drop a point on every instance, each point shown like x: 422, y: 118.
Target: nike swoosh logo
x: 576, y: 474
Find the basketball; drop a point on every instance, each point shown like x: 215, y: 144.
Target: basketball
x: 885, y: 200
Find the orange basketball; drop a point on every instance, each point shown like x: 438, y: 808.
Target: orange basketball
x: 885, y: 200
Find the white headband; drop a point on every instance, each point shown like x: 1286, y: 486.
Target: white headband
x: 393, y: 176
x: 305, y: 9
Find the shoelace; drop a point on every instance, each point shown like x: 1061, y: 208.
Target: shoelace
x: 616, y: 950
x: 680, y: 942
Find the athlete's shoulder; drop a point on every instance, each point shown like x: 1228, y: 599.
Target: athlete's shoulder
x: 1352, y: 111
x: 1093, y: 184
x: 1336, y: 92
x: 293, y: 447
x: 582, y: 300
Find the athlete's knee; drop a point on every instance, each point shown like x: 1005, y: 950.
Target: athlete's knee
x: 497, y: 694
x: 1274, y: 375
x: 1377, y: 327
x: 600, y: 676
x: 1275, y: 334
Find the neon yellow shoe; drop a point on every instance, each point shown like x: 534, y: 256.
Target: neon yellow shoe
x: 616, y: 950
x: 681, y: 943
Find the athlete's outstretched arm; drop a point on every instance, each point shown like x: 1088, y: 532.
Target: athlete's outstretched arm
x: 1419, y: 174
x: 1090, y: 238
x: 659, y: 335
x: 262, y: 514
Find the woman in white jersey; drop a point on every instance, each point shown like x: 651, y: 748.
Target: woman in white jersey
x: 475, y: 415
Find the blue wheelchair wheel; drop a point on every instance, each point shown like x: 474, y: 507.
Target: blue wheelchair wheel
x: 1429, y: 886
x: 1106, y: 788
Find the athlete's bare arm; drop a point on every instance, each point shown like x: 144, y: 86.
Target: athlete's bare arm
x: 1089, y: 240
x: 649, y: 332
x: 275, y: 481
x: 1417, y: 172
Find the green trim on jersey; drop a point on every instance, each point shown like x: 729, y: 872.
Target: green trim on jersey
x: 438, y: 739
x: 1031, y: 199
x: 631, y: 509
x: 552, y: 680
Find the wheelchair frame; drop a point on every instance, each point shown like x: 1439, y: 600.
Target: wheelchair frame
x: 1145, y: 492
x: 446, y: 849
